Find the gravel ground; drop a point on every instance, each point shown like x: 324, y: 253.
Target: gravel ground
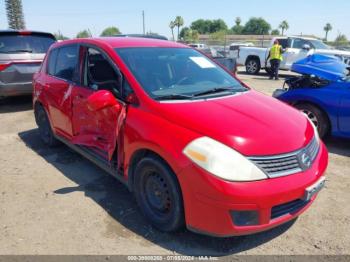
x: 53, y: 201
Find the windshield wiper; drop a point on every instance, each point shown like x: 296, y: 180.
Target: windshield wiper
x: 215, y: 90
x: 173, y: 97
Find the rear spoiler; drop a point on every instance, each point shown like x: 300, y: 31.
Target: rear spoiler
x: 24, y: 32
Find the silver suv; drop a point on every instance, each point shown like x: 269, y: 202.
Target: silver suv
x: 21, y: 54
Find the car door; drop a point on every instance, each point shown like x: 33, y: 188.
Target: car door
x: 344, y: 112
x: 60, y: 80
x: 97, y: 130
x: 294, y: 52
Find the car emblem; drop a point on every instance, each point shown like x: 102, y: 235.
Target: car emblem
x: 304, y: 160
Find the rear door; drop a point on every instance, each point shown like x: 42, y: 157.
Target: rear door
x: 62, y: 76
x: 97, y: 130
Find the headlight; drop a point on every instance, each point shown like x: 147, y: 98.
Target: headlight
x: 222, y: 161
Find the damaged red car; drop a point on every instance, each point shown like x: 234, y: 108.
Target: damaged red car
x: 195, y: 146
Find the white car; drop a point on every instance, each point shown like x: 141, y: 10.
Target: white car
x: 296, y: 48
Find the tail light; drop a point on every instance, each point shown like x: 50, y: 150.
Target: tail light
x: 4, y: 66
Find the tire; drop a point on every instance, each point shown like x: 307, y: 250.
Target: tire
x: 252, y: 66
x: 317, y: 116
x: 158, y: 194
x: 44, y: 126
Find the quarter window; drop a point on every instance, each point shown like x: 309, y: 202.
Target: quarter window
x: 52, y: 62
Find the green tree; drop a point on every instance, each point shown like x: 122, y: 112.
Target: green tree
x: 172, y: 26
x: 256, y: 26
x: 284, y: 26
x: 60, y: 36
x: 328, y: 27
x: 111, y: 31
x: 237, y: 28
x: 341, y: 40
x: 202, y: 26
x: 190, y: 35
x: 15, y: 15
x: 275, y: 32
x: 83, y: 34
x: 218, y: 36
x: 183, y: 32
x: 179, y: 22
x: 218, y: 25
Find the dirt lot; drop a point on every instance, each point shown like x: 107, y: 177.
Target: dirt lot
x: 52, y: 201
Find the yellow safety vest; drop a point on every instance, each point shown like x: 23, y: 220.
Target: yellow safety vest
x: 276, y: 52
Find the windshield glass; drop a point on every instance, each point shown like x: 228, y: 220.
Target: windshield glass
x: 25, y: 43
x: 319, y: 44
x: 178, y: 73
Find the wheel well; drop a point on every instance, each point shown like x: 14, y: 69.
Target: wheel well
x: 320, y: 108
x: 252, y: 57
x: 136, y: 157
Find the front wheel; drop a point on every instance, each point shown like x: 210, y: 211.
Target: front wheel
x: 158, y: 194
x: 317, y: 117
x: 253, y: 66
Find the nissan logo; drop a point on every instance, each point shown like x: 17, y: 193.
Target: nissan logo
x: 304, y: 160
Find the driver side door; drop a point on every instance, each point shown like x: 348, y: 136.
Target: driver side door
x: 98, y: 130
x: 295, y: 52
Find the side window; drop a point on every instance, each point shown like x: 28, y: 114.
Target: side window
x: 99, y: 74
x: 298, y: 43
x: 52, y: 62
x: 285, y: 43
x: 66, y: 64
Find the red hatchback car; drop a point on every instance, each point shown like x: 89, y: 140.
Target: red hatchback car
x: 194, y: 144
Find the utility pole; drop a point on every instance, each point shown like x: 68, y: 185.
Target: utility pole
x: 143, y: 22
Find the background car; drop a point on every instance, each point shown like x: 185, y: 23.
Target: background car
x: 21, y: 54
x: 322, y: 92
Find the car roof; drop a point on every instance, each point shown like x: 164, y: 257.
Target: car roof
x: 120, y: 42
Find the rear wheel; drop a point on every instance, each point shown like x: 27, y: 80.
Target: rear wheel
x: 317, y: 116
x: 158, y: 194
x: 252, y: 66
x: 44, y: 126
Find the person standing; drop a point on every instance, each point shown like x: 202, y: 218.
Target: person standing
x: 275, y: 56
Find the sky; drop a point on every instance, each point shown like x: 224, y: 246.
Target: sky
x: 72, y: 16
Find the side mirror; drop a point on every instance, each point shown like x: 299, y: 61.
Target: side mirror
x: 306, y: 47
x: 100, y: 100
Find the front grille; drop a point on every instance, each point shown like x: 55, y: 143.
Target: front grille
x: 288, y: 208
x: 287, y: 164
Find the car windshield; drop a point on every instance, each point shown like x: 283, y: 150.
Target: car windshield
x: 25, y: 43
x: 319, y: 44
x: 178, y: 73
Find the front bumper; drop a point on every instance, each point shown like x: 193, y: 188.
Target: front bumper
x: 209, y: 201
x: 15, y: 89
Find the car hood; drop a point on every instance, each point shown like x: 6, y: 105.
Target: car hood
x: 250, y: 122
x: 323, y: 66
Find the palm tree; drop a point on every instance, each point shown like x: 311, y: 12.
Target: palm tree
x: 238, y: 21
x: 172, y: 26
x: 284, y: 26
x: 179, y: 21
x: 328, y: 27
x: 15, y: 16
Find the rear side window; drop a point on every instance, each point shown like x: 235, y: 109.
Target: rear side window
x: 52, y: 62
x: 36, y: 44
x: 66, y: 63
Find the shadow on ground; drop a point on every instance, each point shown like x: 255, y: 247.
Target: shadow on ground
x: 338, y: 146
x: 113, y: 197
x: 15, y: 104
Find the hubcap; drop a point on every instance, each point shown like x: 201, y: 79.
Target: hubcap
x: 252, y: 66
x: 311, y: 116
x: 157, y: 194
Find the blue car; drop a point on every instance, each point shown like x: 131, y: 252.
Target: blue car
x: 322, y: 92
